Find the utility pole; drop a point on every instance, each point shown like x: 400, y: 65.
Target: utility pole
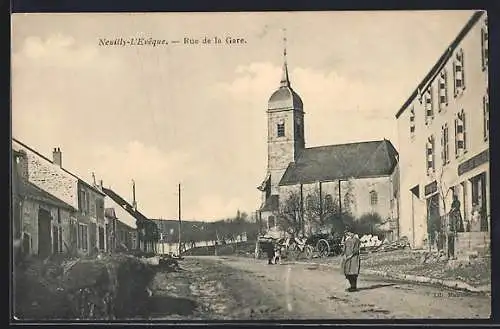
x: 340, y: 199
x: 180, y: 223
x: 320, y: 203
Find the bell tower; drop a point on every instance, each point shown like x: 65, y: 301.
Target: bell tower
x: 285, y: 130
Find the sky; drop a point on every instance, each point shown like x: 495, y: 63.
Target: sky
x: 195, y: 114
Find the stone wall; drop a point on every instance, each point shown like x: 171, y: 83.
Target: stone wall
x: 50, y: 177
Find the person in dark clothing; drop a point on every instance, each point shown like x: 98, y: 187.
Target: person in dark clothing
x: 351, y: 259
x: 456, y: 222
x: 270, y: 252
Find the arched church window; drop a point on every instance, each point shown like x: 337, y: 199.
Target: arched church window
x: 328, y: 202
x: 281, y: 129
x: 373, y: 198
x: 309, y: 202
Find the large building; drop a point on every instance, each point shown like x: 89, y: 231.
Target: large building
x: 443, y: 131
x: 362, y: 176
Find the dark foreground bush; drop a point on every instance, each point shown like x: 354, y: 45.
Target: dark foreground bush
x: 106, y: 288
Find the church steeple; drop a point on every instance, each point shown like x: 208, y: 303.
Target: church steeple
x: 285, y: 81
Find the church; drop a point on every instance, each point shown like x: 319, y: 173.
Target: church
x: 307, y: 184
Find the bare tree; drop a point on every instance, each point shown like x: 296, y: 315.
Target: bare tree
x: 349, y: 197
x: 290, y: 212
x: 438, y: 225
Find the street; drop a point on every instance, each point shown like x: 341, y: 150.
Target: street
x: 244, y: 288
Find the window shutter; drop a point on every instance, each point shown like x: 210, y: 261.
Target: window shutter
x: 430, y: 152
x: 454, y: 78
x: 431, y: 101
x: 446, y: 143
x: 464, y: 131
x: 460, y: 131
x: 443, y: 156
x: 462, y: 66
x: 456, y: 137
x: 483, y: 48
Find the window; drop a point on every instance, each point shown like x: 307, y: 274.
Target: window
x: 99, y: 204
x: 101, y: 238
x: 486, y: 117
x: 373, y: 198
x: 83, y: 237
x: 430, y: 154
x: 443, y: 90
x: 445, y: 153
x: 484, y: 46
x: 428, y: 105
x: 84, y: 201
x: 460, y: 134
x: 412, y: 121
x: 328, y: 202
x: 458, y: 72
x: 281, y: 129
x: 309, y: 202
x: 73, y: 233
x: 56, y: 239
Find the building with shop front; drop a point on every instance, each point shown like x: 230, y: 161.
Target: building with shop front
x: 443, y: 131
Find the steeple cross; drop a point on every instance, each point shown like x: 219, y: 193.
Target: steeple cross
x: 284, y: 43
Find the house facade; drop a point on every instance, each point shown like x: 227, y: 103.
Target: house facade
x: 122, y: 231
x: 358, y: 178
x: 146, y: 234
x: 81, y: 229
x: 443, y: 131
x: 40, y: 219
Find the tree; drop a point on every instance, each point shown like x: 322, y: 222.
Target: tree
x: 438, y: 224
x: 349, y: 197
x: 290, y: 213
x: 367, y: 224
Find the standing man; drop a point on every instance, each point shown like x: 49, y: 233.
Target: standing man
x: 351, y: 259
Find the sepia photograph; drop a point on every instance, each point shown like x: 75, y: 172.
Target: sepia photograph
x: 272, y: 166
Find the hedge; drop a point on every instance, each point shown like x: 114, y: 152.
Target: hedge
x: 108, y: 287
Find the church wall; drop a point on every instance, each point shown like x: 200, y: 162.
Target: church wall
x: 360, y: 189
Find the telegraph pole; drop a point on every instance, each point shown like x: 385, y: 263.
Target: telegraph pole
x: 180, y: 222
x: 340, y: 199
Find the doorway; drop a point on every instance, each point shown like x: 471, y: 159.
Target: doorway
x: 434, y: 221
x: 479, y: 199
x: 44, y: 233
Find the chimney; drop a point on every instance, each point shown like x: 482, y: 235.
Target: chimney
x: 57, y: 156
x: 134, y: 203
x: 100, y: 184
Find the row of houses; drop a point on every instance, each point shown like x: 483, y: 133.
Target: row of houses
x: 443, y: 133
x: 56, y: 212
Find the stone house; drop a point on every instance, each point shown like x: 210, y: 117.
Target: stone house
x: 83, y: 229
x: 39, y: 217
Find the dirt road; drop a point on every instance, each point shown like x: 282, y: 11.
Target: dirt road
x: 243, y: 288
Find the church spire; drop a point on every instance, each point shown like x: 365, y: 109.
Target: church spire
x: 285, y: 81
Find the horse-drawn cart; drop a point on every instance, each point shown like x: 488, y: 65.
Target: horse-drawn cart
x: 326, y: 244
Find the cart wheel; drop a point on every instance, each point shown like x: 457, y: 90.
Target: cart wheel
x: 309, y: 250
x: 323, y: 248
